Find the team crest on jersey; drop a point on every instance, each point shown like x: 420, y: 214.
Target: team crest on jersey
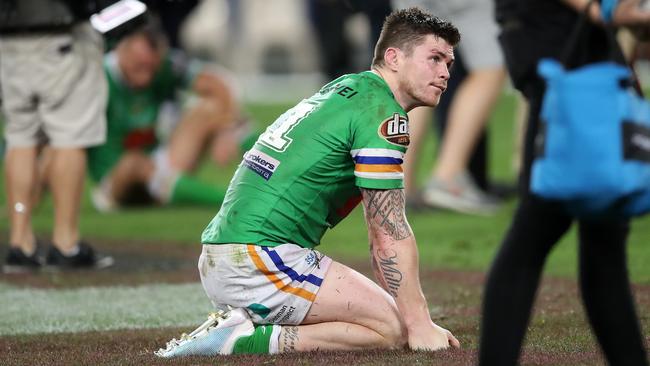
x: 260, y: 163
x: 395, y: 130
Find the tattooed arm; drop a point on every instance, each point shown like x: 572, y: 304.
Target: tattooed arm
x: 394, y: 256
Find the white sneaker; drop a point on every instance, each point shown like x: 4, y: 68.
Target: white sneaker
x: 216, y: 336
x: 462, y: 196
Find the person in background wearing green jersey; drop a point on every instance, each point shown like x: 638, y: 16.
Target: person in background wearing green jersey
x: 138, y: 162
x: 306, y: 172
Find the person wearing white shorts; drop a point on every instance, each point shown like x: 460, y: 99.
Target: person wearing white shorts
x: 54, y: 92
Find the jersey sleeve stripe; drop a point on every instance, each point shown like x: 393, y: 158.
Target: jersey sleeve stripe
x: 373, y: 175
x: 377, y: 160
x: 388, y: 153
x: 378, y: 168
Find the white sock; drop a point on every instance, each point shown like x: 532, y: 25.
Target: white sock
x: 29, y: 252
x: 274, y: 343
x: 70, y: 252
x: 164, y: 178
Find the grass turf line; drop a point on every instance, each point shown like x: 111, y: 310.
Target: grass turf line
x: 33, y: 311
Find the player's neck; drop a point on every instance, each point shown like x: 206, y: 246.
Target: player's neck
x: 391, y: 80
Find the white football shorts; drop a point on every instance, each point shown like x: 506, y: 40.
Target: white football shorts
x: 276, y: 285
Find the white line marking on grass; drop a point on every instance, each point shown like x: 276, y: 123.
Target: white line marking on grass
x: 31, y: 311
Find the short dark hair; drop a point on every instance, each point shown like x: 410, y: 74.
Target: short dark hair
x: 406, y: 28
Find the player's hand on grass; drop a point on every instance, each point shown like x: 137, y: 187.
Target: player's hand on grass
x: 431, y: 337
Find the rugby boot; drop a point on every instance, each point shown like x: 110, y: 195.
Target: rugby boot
x: 216, y: 336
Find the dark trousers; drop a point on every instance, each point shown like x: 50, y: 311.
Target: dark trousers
x: 536, y: 227
x: 328, y: 18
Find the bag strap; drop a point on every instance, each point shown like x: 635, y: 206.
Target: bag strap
x: 614, y: 48
x: 570, y: 45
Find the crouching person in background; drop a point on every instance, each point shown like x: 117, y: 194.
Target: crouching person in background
x: 164, y: 112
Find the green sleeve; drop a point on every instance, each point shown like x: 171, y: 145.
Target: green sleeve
x: 380, y: 138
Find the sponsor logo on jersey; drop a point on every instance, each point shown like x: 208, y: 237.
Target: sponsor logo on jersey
x: 260, y: 163
x: 395, y: 130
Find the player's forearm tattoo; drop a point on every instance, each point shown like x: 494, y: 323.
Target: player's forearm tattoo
x: 289, y: 338
x: 375, y: 266
x: 387, y: 261
x: 385, y: 208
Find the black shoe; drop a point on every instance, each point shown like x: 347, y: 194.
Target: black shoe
x: 86, y: 258
x: 19, y: 262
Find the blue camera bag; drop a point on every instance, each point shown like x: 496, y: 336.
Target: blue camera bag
x: 594, y: 141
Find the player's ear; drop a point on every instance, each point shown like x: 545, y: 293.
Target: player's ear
x: 392, y: 58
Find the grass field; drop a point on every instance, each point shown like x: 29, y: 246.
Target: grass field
x: 120, y: 316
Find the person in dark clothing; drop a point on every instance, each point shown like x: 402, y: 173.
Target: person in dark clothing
x: 530, y: 30
x: 328, y: 19
x: 172, y: 14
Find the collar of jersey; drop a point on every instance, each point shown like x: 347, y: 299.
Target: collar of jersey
x: 379, y: 79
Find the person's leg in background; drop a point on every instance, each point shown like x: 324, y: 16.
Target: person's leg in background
x: 21, y: 127
x: 199, y: 128
x: 74, y: 121
x: 57, y: 103
x: 466, y: 124
x: 419, y: 120
x: 138, y: 178
x: 66, y: 180
x: 165, y: 176
x: 196, y: 129
x: 473, y: 102
x: 514, y: 277
x: 65, y: 176
x: 606, y: 291
x: 515, y: 272
x: 477, y: 165
x: 20, y: 181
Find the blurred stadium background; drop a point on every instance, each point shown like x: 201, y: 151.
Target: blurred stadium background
x: 270, y: 48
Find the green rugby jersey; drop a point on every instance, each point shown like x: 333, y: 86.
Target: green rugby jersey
x: 302, y: 175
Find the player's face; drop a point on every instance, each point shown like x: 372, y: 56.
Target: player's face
x: 425, y: 72
x: 139, y: 63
